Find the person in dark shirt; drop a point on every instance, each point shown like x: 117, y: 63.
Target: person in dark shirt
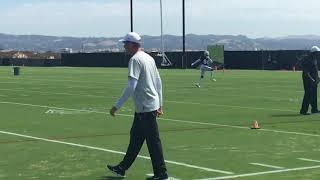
x: 310, y: 82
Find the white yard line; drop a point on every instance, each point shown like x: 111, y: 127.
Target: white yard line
x: 262, y: 173
x: 115, y: 152
x: 267, y: 165
x: 64, y: 80
x: 311, y: 160
x: 104, y: 84
x: 52, y: 93
x: 167, y: 119
x: 177, y: 102
x: 230, y: 106
x: 240, y: 127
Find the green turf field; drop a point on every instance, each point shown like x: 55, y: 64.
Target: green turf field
x: 55, y: 125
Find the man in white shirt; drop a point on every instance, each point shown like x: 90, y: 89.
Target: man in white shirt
x: 145, y: 87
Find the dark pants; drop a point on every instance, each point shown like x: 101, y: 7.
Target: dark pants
x: 310, y: 96
x: 145, y: 127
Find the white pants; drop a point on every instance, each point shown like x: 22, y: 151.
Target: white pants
x: 204, y: 68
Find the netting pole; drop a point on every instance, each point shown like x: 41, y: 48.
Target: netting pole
x: 162, y: 46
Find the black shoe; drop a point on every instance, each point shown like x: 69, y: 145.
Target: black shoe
x: 117, y: 170
x: 313, y: 112
x: 158, y: 177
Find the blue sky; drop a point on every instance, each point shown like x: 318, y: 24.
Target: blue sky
x: 111, y: 18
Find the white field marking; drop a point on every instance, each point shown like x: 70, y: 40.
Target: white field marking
x: 78, y: 86
x: 68, y: 80
x: 230, y: 88
x: 114, y: 152
x: 167, y: 119
x: 196, y: 74
x: 62, y: 111
x: 63, y: 85
x: 239, y: 127
x: 311, y: 160
x: 262, y: 173
x: 171, y: 178
x: 267, y: 165
x: 234, y: 95
x: 50, y: 111
x: 69, y: 94
x: 105, y: 83
x: 178, y: 102
x: 240, y: 107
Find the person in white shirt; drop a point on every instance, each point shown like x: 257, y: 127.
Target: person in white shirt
x: 206, y: 64
x: 145, y: 87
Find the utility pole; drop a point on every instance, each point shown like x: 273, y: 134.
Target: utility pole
x: 184, y: 64
x: 131, y: 15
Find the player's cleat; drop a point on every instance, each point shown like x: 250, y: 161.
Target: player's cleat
x: 198, y: 85
x: 213, y: 79
x: 117, y: 170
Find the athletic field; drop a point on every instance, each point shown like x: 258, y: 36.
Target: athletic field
x: 55, y: 124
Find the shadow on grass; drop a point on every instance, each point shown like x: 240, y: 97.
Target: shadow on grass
x: 110, y: 178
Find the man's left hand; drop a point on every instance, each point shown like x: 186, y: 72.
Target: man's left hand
x: 159, y: 112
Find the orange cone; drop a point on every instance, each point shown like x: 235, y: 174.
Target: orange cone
x: 255, y: 125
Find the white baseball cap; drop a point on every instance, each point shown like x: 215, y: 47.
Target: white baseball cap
x: 314, y: 49
x: 132, y: 37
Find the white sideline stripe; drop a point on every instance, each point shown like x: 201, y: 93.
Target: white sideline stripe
x: 262, y: 173
x: 178, y: 102
x: 166, y: 119
x: 240, y: 107
x: 311, y: 160
x: 115, y: 152
x: 267, y: 165
x: 42, y: 92
x: 241, y: 127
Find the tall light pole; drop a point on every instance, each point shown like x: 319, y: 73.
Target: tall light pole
x: 183, y: 36
x: 131, y: 16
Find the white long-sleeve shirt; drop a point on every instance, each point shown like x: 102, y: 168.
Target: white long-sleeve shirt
x: 132, y: 84
x: 144, y: 84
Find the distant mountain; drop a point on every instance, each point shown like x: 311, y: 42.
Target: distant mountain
x: 41, y: 43
x: 301, y: 37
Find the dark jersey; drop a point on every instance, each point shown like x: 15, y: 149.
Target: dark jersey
x: 310, y: 65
